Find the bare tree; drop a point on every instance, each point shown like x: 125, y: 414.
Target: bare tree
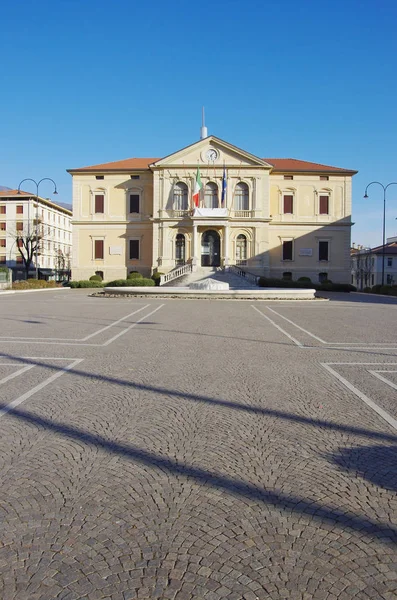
x: 28, y: 241
x: 362, y: 269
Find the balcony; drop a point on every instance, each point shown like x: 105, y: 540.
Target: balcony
x: 242, y: 214
x: 179, y: 214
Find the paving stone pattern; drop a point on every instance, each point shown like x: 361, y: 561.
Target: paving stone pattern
x: 201, y: 454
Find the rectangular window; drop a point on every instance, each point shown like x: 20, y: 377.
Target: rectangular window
x: 324, y: 177
x: 389, y: 261
x: 287, y: 250
x: 323, y: 251
x: 99, y: 203
x: 2, y: 243
x: 19, y: 226
x: 19, y: 259
x: 98, y: 249
x: 134, y: 249
x: 20, y: 243
x: 3, y: 210
x: 324, y: 205
x: 389, y: 279
x: 322, y: 277
x: 99, y: 177
x: 289, y: 177
x: 134, y: 176
x: 134, y: 203
x: 19, y: 209
x: 372, y: 280
x: 288, y: 204
x: 3, y: 226
x: 2, y: 260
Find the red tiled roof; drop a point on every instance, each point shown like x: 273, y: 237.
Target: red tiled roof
x: 7, y: 193
x: 128, y: 164
x: 280, y: 164
x: 389, y: 249
x: 293, y: 164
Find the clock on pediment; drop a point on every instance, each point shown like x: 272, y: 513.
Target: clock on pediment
x: 210, y: 155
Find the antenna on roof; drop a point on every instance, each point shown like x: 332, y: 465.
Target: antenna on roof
x: 204, y: 132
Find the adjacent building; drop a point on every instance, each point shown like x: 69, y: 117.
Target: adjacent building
x: 370, y: 265
x: 277, y: 217
x: 23, y: 215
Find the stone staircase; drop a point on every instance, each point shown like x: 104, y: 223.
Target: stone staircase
x: 235, y: 282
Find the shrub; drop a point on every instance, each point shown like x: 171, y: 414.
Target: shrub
x: 336, y: 287
x: 388, y: 290
x: 95, y: 278
x: 305, y: 279
x: 134, y: 275
x: 33, y: 284
x: 83, y: 283
x: 367, y: 290
x: 282, y: 283
x: 135, y: 282
x: 376, y: 288
x: 156, y: 277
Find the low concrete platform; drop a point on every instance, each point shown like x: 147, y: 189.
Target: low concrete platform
x: 185, y: 292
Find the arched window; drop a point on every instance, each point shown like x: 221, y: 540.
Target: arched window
x: 241, y: 249
x: 241, y: 196
x: 180, y: 196
x: 180, y: 249
x: 211, y: 195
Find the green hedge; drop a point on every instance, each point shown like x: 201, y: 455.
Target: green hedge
x: 326, y: 286
x: 95, y: 278
x: 135, y: 282
x: 33, y: 284
x: 85, y: 284
x: 134, y: 275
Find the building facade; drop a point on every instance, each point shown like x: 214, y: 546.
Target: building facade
x: 23, y: 215
x: 273, y: 217
x: 367, y: 265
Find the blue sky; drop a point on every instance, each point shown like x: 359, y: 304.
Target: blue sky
x: 86, y: 82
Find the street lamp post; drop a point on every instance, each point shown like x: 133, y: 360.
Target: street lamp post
x: 384, y: 187
x: 37, y: 184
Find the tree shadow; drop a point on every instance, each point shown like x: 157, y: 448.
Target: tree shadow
x: 343, y: 519
x: 377, y: 464
x: 227, y: 404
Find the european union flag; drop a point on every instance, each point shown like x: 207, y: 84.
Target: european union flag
x: 224, y: 187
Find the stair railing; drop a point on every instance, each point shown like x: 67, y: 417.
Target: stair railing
x: 244, y: 274
x: 175, y: 273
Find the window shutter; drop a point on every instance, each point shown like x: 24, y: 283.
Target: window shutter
x: 323, y: 251
x: 134, y: 203
x: 288, y: 204
x: 99, y: 203
x: 324, y: 205
x: 134, y: 249
x: 98, y: 249
x: 287, y: 250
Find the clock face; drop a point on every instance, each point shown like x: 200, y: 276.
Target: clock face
x: 211, y: 155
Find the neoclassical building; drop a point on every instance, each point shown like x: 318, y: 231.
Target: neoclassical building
x: 272, y: 216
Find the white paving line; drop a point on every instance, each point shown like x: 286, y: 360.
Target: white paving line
x: 297, y: 326
x: 131, y: 326
x: 39, y: 387
x: 387, y: 381
x: 8, y: 338
x: 330, y: 343
x: 382, y: 413
x: 278, y: 327
x: 16, y: 373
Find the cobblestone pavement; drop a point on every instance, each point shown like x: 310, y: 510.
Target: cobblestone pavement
x: 197, y: 449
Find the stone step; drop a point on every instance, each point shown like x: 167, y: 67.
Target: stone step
x: 235, y: 282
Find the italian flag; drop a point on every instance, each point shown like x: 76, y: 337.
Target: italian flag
x: 197, y: 187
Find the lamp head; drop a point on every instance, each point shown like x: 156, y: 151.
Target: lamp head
x: 365, y: 195
x: 55, y: 192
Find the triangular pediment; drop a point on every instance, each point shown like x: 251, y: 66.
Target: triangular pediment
x: 211, y: 150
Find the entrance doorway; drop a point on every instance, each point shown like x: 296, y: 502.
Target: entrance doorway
x: 210, y: 249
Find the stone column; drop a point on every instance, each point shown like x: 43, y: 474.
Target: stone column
x: 195, y: 248
x: 226, y: 246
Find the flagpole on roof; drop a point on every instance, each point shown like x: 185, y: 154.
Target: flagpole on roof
x: 203, y: 132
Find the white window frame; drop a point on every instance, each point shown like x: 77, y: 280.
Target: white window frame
x: 94, y: 239
x: 324, y: 192
x: 134, y: 191
x: 98, y: 192
x: 288, y: 192
x: 235, y: 208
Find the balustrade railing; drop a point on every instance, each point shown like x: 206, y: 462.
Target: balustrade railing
x: 242, y: 214
x: 175, y: 273
x: 241, y: 273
